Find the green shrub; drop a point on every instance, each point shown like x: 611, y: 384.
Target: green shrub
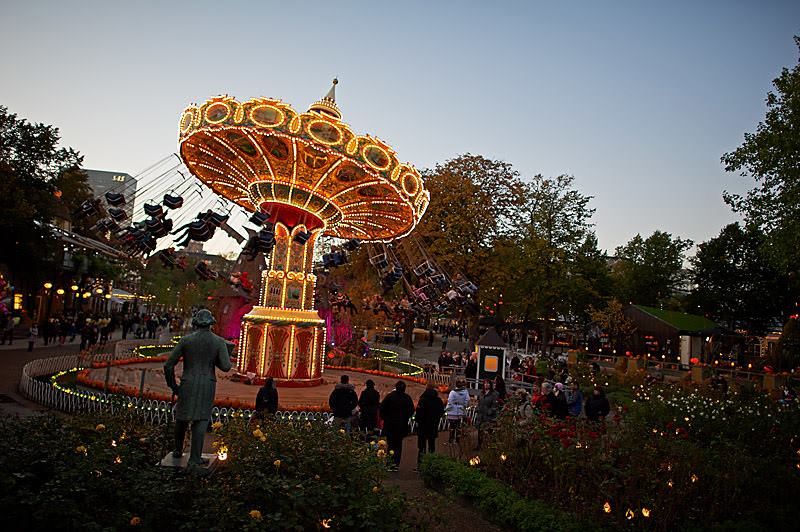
x: 499, y: 503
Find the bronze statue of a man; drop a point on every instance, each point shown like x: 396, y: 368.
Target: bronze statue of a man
x: 201, y: 352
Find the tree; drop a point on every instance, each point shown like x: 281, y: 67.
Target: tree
x: 38, y: 181
x: 555, y: 228
x: 612, y: 321
x: 474, y: 201
x: 771, y: 156
x: 648, y: 271
x: 734, y: 282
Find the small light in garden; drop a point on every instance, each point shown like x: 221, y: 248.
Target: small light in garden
x: 81, y: 449
x: 255, y: 514
x: 136, y: 521
x: 100, y: 426
x: 503, y: 457
x: 749, y: 366
x: 475, y: 460
x: 113, y: 443
x: 646, y: 512
x: 276, y: 463
x: 694, y: 477
x: 326, y: 523
x: 375, y: 489
x: 629, y: 514
x: 669, y: 483
x: 607, y: 507
x: 117, y: 460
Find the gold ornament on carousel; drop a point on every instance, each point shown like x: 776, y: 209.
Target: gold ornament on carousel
x: 313, y: 175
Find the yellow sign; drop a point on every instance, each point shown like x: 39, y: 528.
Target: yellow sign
x: 490, y: 363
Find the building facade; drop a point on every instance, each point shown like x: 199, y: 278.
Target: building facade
x: 103, y: 181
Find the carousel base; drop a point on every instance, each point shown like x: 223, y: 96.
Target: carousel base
x: 280, y: 383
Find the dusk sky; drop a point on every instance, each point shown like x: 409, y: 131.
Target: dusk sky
x: 638, y: 100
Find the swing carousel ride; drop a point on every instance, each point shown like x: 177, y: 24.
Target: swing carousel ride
x: 302, y: 175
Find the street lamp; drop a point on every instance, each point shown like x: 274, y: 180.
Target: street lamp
x: 74, y: 288
x: 60, y: 291
x: 48, y: 285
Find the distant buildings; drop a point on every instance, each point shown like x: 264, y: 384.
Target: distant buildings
x: 103, y: 181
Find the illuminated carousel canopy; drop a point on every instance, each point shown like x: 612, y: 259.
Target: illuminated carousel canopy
x: 308, y: 168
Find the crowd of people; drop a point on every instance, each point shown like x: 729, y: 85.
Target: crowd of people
x: 93, y: 330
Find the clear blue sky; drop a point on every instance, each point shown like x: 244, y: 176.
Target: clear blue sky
x: 636, y: 99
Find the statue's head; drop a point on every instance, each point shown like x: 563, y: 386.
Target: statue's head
x: 203, y: 319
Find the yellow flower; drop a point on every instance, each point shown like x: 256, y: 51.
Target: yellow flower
x: 629, y: 514
x: 100, y: 426
x: 382, y: 444
x: 258, y: 434
x: 381, y: 453
x: 646, y: 512
x: 276, y: 463
x: 255, y: 514
x: 216, y: 425
x: 341, y: 431
x: 135, y: 521
x: 80, y: 449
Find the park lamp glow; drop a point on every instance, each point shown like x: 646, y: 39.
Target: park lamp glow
x: 74, y: 288
x: 86, y: 295
x: 60, y: 291
x: 48, y: 285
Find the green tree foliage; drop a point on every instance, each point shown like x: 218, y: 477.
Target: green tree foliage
x: 771, y: 156
x: 177, y: 288
x: 648, y: 271
x: 734, y: 282
x: 38, y: 182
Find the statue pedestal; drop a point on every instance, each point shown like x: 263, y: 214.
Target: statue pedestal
x: 170, y: 461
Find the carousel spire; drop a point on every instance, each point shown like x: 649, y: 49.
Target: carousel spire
x: 327, y: 105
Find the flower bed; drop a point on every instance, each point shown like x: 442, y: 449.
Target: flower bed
x: 677, y: 458
x: 98, y: 473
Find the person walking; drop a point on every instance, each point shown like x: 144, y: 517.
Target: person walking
x: 488, y: 409
x: 368, y: 404
x: 429, y: 413
x: 267, y: 399
x: 201, y: 351
x: 396, y: 409
x: 597, y: 406
x: 343, y: 401
x: 456, y: 409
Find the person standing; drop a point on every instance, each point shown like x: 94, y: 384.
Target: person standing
x: 33, y: 334
x: 597, y: 406
x: 456, y: 409
x: 267, y: 399
x: 429, y: 413
x: 368, y: 404
x: 343, y: 400
x: 558, y: 402
x: 488, y: 409
x: 430, y: 337
x: 396, y: 409
x: 444, y: 341
x: 574, y: 400
x: 201, y: 352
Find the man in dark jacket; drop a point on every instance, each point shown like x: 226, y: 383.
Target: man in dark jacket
x: 430, y: 409
x: 597, y: 407
x: 343, y: 401
x: 267, y: 399
x: 368, y: 404
x: 396, y: 409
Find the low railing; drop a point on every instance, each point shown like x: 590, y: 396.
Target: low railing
x: 34, y: 385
